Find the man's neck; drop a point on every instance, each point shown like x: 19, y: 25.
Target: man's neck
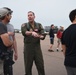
x: 4, y: 22
x: 32, y: 23
x: 74, y: 22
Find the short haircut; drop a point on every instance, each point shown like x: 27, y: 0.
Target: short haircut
x: 72, y: 15
x: 52, y: 25
x: 31, y: 12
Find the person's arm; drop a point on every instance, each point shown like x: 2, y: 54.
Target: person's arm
x: 64, y: 49
x: 63, y: 44
x: 10, y: 33
x: 4, y: 35
x: 42, y: 34
x: 15, y: 48
x: 5, y: 38
x: 25, y: 32
x: 57, y: 34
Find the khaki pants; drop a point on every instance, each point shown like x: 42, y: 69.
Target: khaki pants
x: 1, y: 67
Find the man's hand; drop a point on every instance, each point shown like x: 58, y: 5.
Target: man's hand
x: 64, y: 49
x: 41, y: 36
x: 35, y: 34
x: 15, y: 56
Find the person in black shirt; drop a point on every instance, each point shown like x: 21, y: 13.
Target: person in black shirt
x: 3, y: 30
x: 51, y: 34
x: 4, y: 37
x: 8, y: 68
x: 69, y: 45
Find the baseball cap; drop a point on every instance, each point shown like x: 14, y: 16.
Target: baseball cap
x: 3, y: 12
x: 10, y: 11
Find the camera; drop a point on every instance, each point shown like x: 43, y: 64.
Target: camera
x: 6, y: 57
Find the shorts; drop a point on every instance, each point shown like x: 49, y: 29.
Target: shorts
x: 51, y: 40
x: 59, y: 40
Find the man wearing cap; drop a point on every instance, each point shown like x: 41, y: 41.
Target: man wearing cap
x: 8, y: 69
x: 5, y: 42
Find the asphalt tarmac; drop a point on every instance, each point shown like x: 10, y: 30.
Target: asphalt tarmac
x: 53, y: 61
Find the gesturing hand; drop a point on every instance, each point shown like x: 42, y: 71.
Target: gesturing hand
x: 35, y: 34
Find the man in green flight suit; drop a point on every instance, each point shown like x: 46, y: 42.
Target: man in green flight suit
x: 32, y: 33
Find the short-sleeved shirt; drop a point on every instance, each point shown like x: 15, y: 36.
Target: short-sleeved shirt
x: 3, y: 29
x: 10, y: 28
x: 51, y: 33
x: 69, y: 40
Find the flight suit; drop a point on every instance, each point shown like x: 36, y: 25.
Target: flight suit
x: 32, y: 49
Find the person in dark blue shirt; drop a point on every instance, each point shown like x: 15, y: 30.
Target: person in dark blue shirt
x: 51, y: 34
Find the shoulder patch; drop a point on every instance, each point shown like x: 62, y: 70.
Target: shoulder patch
x: 23, y: 25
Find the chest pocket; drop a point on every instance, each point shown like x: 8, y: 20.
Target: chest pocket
x: 30, y: 28
x: 30, y: 39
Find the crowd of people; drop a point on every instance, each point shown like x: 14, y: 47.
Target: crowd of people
x: 33, y: 32
x: 52, y: 36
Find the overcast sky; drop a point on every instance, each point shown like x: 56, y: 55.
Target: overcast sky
x: 47, y: 11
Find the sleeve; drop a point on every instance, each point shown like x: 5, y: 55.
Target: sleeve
x: 3, y: 29
x: 41, y: 29
x: 10, y: 28
x: 23, y: 29
x: 42, y: 32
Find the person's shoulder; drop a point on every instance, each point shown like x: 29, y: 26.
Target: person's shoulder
x: 51, y: 29
x: 68, y: 28
x: 1, y: 24
x: 38, y: 23
x: 24, y: 24
x: 10, y: 25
